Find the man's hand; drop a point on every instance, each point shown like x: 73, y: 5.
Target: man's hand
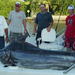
x: 25, y: 30
x: 6, y: 33
x: 6, y: 39
x: 24, y: 23
x: 34, y: 30
x: 49, y: 27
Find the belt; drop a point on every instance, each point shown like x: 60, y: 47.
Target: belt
x: 15, y: 33
x: 46, y: 42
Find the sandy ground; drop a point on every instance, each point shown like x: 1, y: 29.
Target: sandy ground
x: 61, y: 18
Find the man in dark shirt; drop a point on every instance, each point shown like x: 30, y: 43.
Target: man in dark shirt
x: 43, y: 20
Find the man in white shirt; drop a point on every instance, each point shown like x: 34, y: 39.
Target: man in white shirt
x: 3, y: 31
x: 17, y: 22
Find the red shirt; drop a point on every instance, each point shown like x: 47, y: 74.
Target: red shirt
x: 70, y: 32
x: 70, y: 27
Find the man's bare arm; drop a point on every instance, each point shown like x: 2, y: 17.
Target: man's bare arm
x: 49, y: 27
x: 35, y: 25
x: 8, y: 22
x: 24, y: 23
x: 6, y: 33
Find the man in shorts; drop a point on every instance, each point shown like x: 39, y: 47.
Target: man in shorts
x: 17, y: 23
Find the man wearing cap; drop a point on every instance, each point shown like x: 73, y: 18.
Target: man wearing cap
x: 43, y: 20
x: 70, y: 29
x: 17, y: 22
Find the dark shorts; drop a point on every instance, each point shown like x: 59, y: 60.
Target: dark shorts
x: 39, y: 32
x: 2, y: 42
x: 14, y: 36
x: 38, y: 35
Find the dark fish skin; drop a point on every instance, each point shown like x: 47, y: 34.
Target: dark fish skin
x: 28, y: 56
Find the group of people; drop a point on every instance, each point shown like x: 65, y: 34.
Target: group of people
x: 17, y: 25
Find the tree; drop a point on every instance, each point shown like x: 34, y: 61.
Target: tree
x: 57, y: 5
x: 6, y: 6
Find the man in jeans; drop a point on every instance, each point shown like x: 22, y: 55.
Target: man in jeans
x: 17, y: 23
x: 3, y: 28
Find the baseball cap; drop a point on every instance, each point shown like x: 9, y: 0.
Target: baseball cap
x: 71, y: 7
x: 42, y: 5
x: 17, y: 4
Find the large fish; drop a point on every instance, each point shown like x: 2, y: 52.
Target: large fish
x: 29, y: 56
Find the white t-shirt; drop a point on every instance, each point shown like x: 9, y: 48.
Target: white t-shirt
x: 16, y: 24
x: 3, y: 25
x: 48, y: 36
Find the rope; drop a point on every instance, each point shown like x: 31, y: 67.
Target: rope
x: 59, y: 16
